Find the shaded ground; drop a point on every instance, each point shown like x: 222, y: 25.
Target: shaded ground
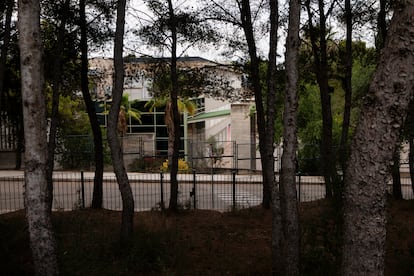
x: 195, y: 242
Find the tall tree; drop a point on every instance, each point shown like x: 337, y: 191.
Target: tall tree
x: 42, y: 239
x: 266, y: 136
x: 5, y: 45
x: 173, y: 121
x: 289, y: 203
x: 376, y: 137
x: 172, y: 28
x: 382, y: 28
x: 114, y: 144
x: 343, y: 151
x: 244, y: 15
x: 90, y: 107
x: 395, y: 173
x: 319, y: 49
x: 57, y: 72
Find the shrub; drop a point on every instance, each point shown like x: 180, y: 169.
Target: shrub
x: 182, y: 166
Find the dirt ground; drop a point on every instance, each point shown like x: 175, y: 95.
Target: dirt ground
x: 196, y: 242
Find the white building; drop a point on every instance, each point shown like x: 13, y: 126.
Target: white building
x: 221, y: 125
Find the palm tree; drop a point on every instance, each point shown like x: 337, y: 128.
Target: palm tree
x: 184, y: 105
x: 127, y: 112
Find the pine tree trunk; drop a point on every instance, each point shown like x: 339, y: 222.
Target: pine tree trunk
x: 289, y: 203
x: 114, y: 143
x: 54, y: 118
x: 376, y: 138
x: 42, y: 241
x: 265, y: 147
x: 396, y: 176
x: 174, y: 131
x: 90, y: 108
x: 5, y: 48
x: 343, y: 150
x: 319, y: 48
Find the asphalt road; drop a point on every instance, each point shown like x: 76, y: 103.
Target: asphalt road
x: 211, y: 192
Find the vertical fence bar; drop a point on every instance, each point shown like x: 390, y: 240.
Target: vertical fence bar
x: 234, y: 189
x: 83, y: 189
x: 162, y: 190
x: 299, y: 190
x: 194, y: 190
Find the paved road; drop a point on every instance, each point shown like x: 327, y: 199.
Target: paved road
x: 211, y: 192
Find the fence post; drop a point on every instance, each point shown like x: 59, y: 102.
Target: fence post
x: 194, y: 189
x: 83, y: 189
x: 162, y: 206
x: 299, y: 190
x: 234, y: 189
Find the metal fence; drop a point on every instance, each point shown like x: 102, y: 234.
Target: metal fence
x: 221, y: 191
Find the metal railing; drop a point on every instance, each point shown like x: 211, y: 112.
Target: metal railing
x: 219, y: 191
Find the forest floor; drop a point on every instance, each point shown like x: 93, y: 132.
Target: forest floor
x: 196, y: 242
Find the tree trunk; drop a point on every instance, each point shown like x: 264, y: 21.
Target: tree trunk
x: 174, y: 129
x: 343, y: 150
x: 395, y: 172
x: 289, y: 203
x: 321, y: 71
x: 277, y: 231
x: 384, y: 109
x: 42, y: 241
x: 90, y: 107
x: 266, y: 149
x: 381, y: 25
x: 5, y: 48
x: 54, y: 118
x: 114, y: 144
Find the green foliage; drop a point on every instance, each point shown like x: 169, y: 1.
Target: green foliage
x: 190, y: 28
x: 309, y: 112
x: 75, y: 148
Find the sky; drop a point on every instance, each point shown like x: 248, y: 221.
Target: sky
x: 137, y: 14
x: 132, y: 44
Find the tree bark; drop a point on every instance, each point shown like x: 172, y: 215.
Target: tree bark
x: 343, y: 151
x: 383, y: 112
x: 114, y: 144
x: 42, y: 241
x: 278, y: 266
x: 395, y: 172
x: 174, y: 126
x: 5, y: 47
x: 54, y: 118
x: 381, y: 25
x: 90, y: 108
x: 321, y: 71
x: 266, y: 149
x: 289, y: 203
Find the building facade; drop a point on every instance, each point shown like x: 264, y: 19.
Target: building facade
x: 220, y: 128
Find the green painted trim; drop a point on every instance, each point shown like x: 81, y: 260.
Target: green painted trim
x: 209, y: 115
